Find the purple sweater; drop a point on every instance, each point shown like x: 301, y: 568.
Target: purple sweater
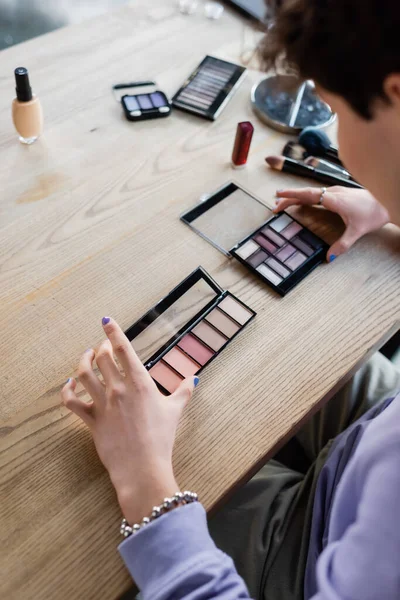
x: 355, y: 539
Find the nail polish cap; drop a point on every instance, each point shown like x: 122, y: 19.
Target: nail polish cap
x: 23, y: 88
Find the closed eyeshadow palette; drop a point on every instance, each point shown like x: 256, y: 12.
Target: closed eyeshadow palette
x: 187, y: 329
x: 147, y: 102
x: 209, y: 88
x: 276, y: 248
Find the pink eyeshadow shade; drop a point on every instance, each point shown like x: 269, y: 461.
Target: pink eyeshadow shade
x: 235, y: 310
x: 180, y: 362
x: 276, y: 266
x: 195, y: 349
x: 274, y: 237
x: 165, y: 377
x: 284, y: 254
x: 209, y: 336
x: 223, y: 323
x: 296, y: 260
x: 291, y: 230
x: 264, y: 243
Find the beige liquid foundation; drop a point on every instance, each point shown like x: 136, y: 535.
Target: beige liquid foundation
x: 26, y: 109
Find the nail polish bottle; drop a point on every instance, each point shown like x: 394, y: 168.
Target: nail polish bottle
x: 26, y: 109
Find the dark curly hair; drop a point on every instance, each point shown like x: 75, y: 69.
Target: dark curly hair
x: 348, y: 47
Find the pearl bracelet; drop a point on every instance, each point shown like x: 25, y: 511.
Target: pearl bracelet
x: 178, y: 499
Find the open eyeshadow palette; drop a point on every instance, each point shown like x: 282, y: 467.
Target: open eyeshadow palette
x: 209, y: 88
x: 276, y: 248
x: 187, y: 329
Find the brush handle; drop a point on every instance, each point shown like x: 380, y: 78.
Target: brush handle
x: 333, y: 155
x: 295, y: 168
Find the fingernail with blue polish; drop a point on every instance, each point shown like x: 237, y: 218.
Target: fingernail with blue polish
x: 88, y: 350
x: 105, y: 320
x: 68, y: 380
x: 332, y: 257
x: 196, y: 381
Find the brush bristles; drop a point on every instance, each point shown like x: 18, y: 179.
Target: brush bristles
x: 295, y: 151
x: 275, y: 162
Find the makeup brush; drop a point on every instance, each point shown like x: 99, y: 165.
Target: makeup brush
x: 297, y: 152
x: 288, y: 165
x: 317, y: 143
x: 326, y: 166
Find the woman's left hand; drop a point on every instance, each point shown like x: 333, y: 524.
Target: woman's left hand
x: 133, y: 425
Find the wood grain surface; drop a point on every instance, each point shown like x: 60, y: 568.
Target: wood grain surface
x: 88, y: 227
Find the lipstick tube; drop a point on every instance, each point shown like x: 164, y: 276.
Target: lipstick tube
x: 244, y: 134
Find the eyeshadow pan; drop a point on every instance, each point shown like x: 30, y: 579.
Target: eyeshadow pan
x: 218, y: 79
x: 296, y: 260
x: 131, y: 103
x: 201, y: 89
x: 217, y: 75
x: 271, y: 235
x: 291, y: 230
x: 257, y: 259
x: 144, y: 101
x: 223, y: 323
x: 208, y: 335
x: 300, y: 245
x: 278, y: 267
x: 282, y: 222
x: 201, y: 84
x: 235, y: 310
x: 195, y: 349
x: 264, y: 243
x: 206, y: 81
x: 311, y: 239
x: 247, y: 249
x: 285, y: 252
x: 157, y: 99
x: 269, y: 274
x: 180, y: 362
x: 195, y: 99
x: 165, y: 377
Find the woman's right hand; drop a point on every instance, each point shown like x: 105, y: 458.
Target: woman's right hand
x: 360, y: 211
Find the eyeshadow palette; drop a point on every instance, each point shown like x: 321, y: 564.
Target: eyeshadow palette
x: 209, y: 88
x: 275, y: 247
x: 187, y: 329
x: 147, y: 103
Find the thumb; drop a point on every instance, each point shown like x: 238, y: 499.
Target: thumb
x: 343, y: 244
x: 185, y: 390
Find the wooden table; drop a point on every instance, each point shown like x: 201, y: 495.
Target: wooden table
x: 89, y: 226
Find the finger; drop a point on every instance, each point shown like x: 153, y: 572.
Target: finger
x: 88, y: 377
x: 343, y: 244
x: 74, y: 404
x: 106, y: 363
x: 123, y: 350
x: 185, y: 390
x: 308, y: 195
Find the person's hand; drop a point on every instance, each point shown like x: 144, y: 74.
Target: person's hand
x: 360, y: 211
x: 132, y: 423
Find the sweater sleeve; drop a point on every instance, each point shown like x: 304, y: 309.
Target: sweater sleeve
x: 175, y: 557
x: 364, y: 563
